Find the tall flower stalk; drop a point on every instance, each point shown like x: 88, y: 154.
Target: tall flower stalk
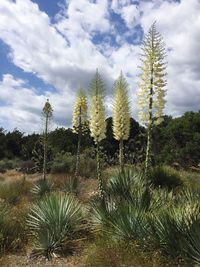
x: 121, y: 115
x: 79, y: 123
x: 152, y: 86
x: 47, y: 114
x: 97, y: 121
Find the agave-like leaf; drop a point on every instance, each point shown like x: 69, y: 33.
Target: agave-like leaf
x: 42, y: 187
x: 124, y: 184
x: 54, y: 219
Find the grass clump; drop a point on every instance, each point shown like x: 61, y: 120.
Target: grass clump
x: 13, y: 231
x: 14, y: 192
x: 109, y: 253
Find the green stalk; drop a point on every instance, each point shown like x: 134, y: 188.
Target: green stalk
x: 150, y: 127
x: 45, y: 148
x: 78, y: 146
x: 99, y: 177
x: 121, y: 154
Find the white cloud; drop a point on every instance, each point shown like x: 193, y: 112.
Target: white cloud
x: 23, y: 105
x: 179, y: 24
x: 131, y: 15
x: 64, y: 54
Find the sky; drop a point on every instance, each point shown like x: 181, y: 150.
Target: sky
x: 49, y: 48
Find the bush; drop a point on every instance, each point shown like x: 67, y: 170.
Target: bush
x: 87, y: 167
x: 13, y: 192
x: 66, y: 163
x: 165, y: 177
x: 63, y: 163
x: 13, y: 232
x: 8, y: 164
x: 54, y: 220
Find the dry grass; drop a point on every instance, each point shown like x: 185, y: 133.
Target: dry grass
x: 91, y: 254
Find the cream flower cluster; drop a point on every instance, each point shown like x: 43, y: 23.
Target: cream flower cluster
x: 121, y: 111
x: 97, y: 119
x: 152, y: 85
x: 97, y: 122
x: 80, y: 112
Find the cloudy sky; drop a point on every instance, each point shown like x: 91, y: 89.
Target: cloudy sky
x: 49, y: 48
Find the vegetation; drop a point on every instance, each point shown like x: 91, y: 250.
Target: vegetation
x: 152, y: 92
x: 129, y: 215
x: 47, y: 114
x: 79, y: 124
x: 156, y: 219
x: 97, y: 121
x: 121, y: 115
x: 53, y: 221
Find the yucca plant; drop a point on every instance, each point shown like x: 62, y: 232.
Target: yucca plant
x: 124, y: 184
x: 79, y: 123
x: 176, y: 231
x: 121, y: 115
x: 151, y: 95
x: 54, y: 220
x: 42, y: 187
x: 97, y: 121
x: 120, y: 220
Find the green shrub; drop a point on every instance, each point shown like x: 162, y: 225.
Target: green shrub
x: 165, y: 177
x: 63, y: 163
x: 8, y: 164
x: 123, y: 185
x: 13, y: 192
x: 66, y: 163
x: 42, y: 187
x: 54, y: 220
x: 87, y: 167
x: 13, y: 232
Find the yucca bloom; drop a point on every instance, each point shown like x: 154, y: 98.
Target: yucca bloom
x: 47, y: 114
x: 121, y: 113
x: 79, y: 123
x: 80, y: 116
x: 97, y: 121
x: 151, y: 94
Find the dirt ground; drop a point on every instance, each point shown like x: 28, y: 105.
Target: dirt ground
x: 24, y: 260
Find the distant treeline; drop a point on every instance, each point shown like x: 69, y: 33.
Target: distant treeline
x: 177, y: 140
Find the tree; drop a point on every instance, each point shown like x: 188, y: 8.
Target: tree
x: 97, y: 121
x: 79, y: 123
x: 121, y: 115
x: 47, y: 114
x: 152, y: 86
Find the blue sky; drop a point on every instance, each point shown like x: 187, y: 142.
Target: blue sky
x: 49, y: 48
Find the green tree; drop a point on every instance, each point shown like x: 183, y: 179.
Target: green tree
x: 97, y: 121
x: 121, y: 115
x: 151, y: 95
